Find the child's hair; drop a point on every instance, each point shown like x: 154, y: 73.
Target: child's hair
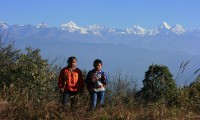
x: 70, y: 59
x: 96, y: 62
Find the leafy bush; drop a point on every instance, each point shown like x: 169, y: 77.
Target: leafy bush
x: 158, y: 85
x: 194, y: 95
x: 26, y: 79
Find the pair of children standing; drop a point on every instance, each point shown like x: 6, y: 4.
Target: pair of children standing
x: 71, y: 82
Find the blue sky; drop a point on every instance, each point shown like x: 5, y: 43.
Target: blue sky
x: 112, y: 13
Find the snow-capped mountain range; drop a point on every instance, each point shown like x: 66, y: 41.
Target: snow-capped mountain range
x: 135, y: 30
x: 130, y: 49
x: 99, y: 29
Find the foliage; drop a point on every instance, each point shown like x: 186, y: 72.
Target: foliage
x: 25, y: 78
x: 194, y: 95
x: 158, y: 85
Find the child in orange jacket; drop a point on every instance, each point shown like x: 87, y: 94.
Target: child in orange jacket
x: 70, y: 81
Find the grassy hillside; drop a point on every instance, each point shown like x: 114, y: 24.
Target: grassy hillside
x: 28, y: 86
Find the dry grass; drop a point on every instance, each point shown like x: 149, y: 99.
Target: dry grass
x: 118, y: 107
x: 5, y: 107
x: 53, y: 110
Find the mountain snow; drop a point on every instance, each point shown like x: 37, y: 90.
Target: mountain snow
x: 178, y: 29
x: 96, y: 29
x: 3, y: 25
x: 72, y: 27
x: 165, y: 26
x: 137, y: 30
x: 99, y: 30
x: 42, y: 25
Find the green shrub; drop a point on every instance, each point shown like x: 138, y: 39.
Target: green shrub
x: 158, y: 85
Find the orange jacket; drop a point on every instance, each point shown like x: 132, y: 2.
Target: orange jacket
x: 70, y: 80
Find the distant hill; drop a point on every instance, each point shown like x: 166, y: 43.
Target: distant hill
x: 130, y: 50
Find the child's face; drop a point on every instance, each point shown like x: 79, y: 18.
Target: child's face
x: 72, y: 63
x: 98, y: 66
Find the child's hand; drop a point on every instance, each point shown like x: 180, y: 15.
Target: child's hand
x: 104, y: 77
x: 93, y: 78
x: 100, y: 86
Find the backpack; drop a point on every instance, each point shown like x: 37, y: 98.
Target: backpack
x: 102, y: 79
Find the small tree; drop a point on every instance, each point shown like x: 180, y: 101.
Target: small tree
x: 8, y: 56
x: 194, y: 94
x: 158, y: 84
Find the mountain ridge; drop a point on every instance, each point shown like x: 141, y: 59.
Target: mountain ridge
x: 98, y: 30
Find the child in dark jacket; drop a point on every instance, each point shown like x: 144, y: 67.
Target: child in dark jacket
x: 96, y: 81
